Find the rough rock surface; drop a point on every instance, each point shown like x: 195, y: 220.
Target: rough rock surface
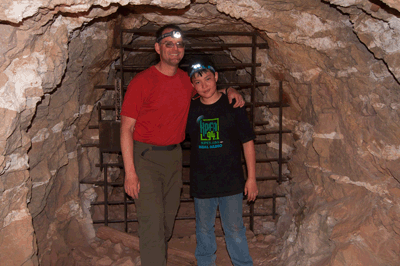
x: 340, y: 63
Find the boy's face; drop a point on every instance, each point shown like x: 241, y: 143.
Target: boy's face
x: 206, y: 84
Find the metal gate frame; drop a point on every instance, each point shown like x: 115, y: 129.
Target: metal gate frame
x: 109, y: 129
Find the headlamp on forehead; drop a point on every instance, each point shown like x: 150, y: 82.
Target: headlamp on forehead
x: 198, y: 67
x: 174, y: 34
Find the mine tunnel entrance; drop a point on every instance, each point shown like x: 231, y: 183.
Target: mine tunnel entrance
x: 113, y: 206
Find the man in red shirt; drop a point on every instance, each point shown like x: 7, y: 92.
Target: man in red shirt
x: 153, y: 122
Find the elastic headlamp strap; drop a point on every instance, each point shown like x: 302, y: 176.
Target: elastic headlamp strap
x: 197, y: 67
x: 174, y: 34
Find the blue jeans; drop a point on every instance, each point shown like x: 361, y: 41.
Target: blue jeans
x: 230, y: 208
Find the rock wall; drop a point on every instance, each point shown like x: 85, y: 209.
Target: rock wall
x: 344, y: 94
x: 47, y: 78
x: 339, y: 61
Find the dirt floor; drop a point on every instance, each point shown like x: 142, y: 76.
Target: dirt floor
x: 263, y: 248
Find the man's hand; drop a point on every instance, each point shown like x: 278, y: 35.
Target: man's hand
x: 251, y: 190
x: 132, y: 185
x: 234, y: 94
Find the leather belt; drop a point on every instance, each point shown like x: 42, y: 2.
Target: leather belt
x: 160, y: 148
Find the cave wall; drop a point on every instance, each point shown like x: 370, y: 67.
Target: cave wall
x: 340, y: 64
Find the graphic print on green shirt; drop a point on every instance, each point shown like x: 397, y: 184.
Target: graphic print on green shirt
x: 209, y: 133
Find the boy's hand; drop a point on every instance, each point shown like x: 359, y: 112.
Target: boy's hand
x: 234, y: 94
x: 251, y: 190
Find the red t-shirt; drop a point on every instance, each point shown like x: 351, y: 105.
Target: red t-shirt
x: 160, y: 105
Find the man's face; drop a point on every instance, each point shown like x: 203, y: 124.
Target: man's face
x: 170, y: 49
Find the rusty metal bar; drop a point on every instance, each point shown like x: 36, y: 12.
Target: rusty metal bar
x: 190, y: 46
x: 234, y: 66
x: 270, y: 196
x: 100, y: 153
x: 258, y: 142
x: 265, y: 160
x: 181, y: 218
x: 100, y: 183
x: 182, y: 200
x: 267, y: 104
x: 122, y: 94
x: 105, y: 86
x: 118, y: 99
x: 272, y: 131
x: 107, y: 107
x: 90, y: 145
x: 114, y: 221
x: 121, y: 58
x: 280, y: 130
x: 221, y: 85
x: 261, y: 123
x: 267, y: 178
x: 253, y: 100
x: 151, y: 32
x: 218, y: 216
x: 113, y: 202
x: 253, y: 78
x: 243, y: 85
x: 274, y: 206
x: 268, y: 160
x: 126, y: 211
x: 105, y: 197
x: 225, y: 45
x: 111, y: 164
x: 252, y: 216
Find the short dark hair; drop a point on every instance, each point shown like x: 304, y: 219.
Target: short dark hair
x: 168, y: 26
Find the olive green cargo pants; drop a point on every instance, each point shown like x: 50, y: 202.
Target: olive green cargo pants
x: 160, y: 176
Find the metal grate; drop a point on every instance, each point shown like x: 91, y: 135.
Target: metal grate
x: 109, y: 129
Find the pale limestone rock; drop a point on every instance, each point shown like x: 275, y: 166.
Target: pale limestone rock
x: 269, y: 238
x: 392, y: 3
x: 126, y: 261
x: 78, y: 257
x: 118, y: 248
x: 269, y: 226
x: 107, y: 244
x: 58, y: 113
x: 22, y: 75
x: 17, y: 233
x: 210, y: 17
x: 105, y: 261
x: 16, y: 11
x: 138, y: 261
x: 41, y: 184
x: 74, y: 235
x: 378, y: 29
x: 193, y: 239
x: 260, y: 237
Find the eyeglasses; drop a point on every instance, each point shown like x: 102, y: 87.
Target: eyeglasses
x: 171, y: 44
